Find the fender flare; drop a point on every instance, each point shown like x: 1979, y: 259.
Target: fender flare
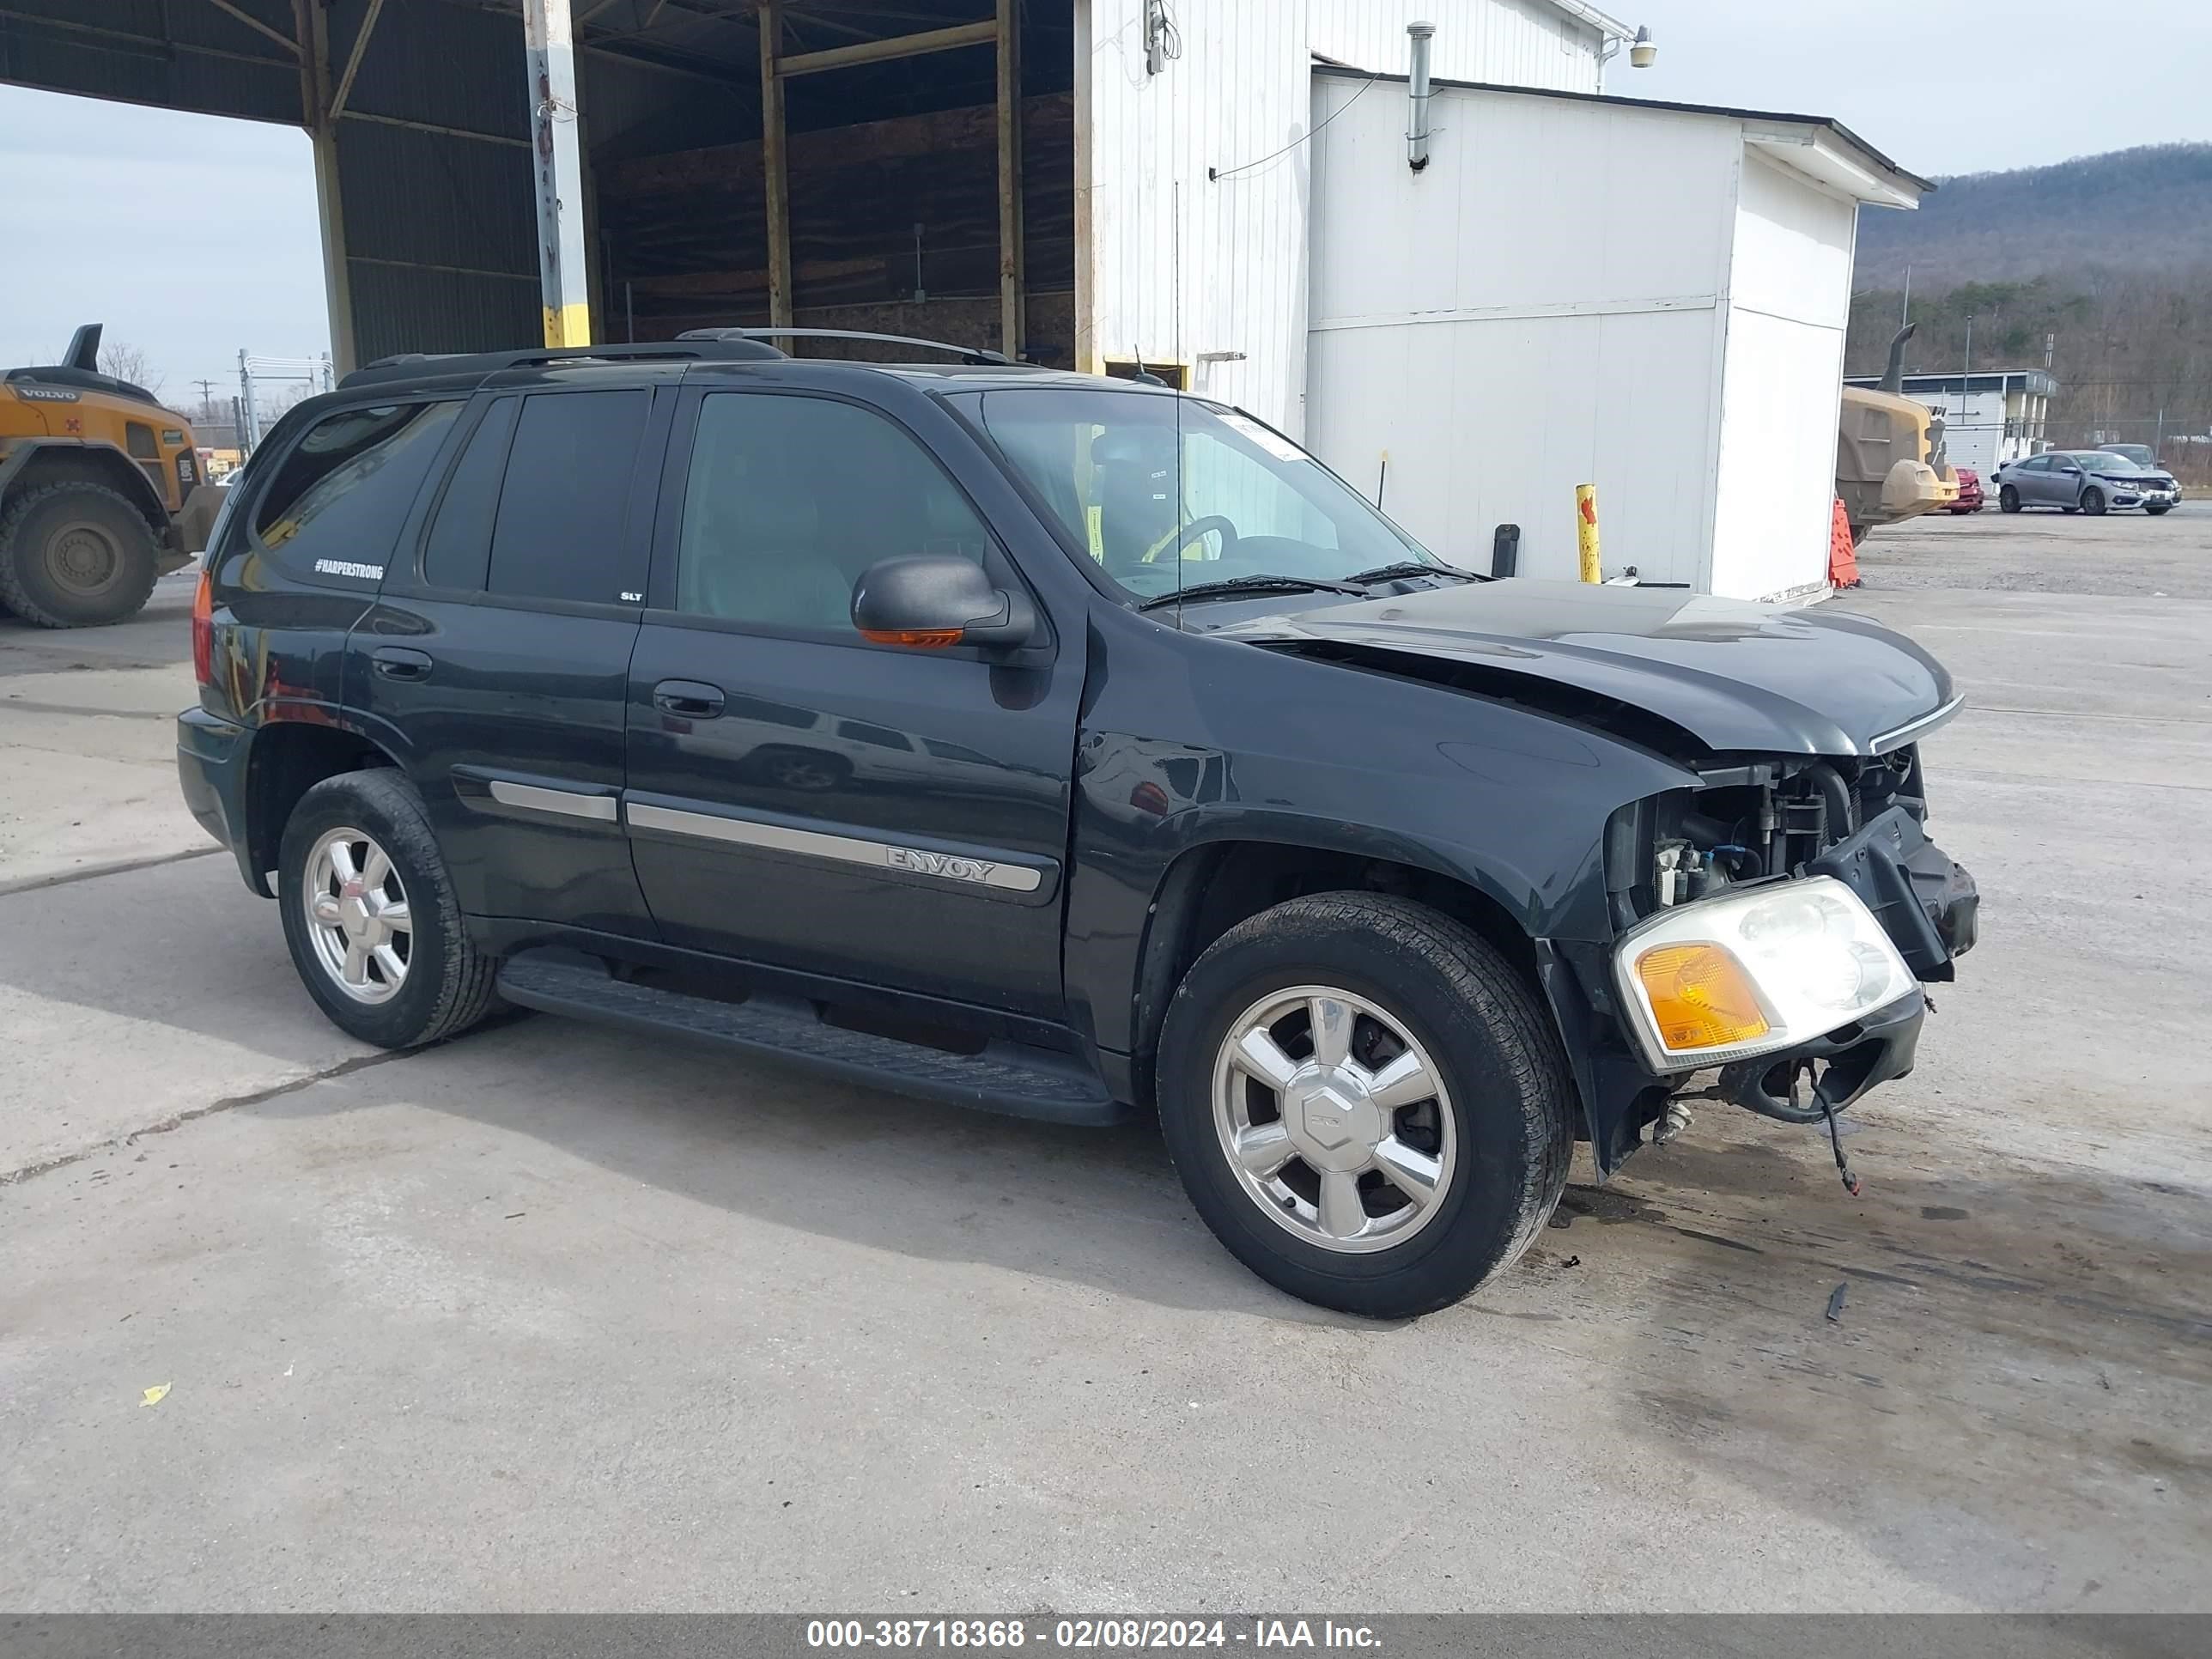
x: 285, y: 713
x: 140, y: 488
x: 1175, y: 896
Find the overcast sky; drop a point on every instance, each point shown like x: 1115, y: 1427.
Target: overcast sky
x: 185, y: 235
x: 1942, y: 86
x: 192, y: 237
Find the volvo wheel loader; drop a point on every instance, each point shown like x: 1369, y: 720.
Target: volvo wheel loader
x: 94, y: 476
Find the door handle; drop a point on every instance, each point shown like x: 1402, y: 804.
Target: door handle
x: 692, y: 700
x: 395, y: 662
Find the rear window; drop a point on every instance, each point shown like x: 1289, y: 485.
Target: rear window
x: 346, y: 488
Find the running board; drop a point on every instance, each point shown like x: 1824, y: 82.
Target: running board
x: 1008, y: 1077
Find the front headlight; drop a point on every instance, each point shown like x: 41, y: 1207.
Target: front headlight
x: 1748, y: 974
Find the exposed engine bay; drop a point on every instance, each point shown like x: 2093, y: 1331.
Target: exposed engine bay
x: 1857, y: 820
x: 1784, y: 818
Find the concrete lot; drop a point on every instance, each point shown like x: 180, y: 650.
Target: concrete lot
x: 544, y: 1319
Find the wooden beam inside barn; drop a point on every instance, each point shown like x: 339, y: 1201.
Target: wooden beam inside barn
x: 688, y: 230
x: 899, y: 46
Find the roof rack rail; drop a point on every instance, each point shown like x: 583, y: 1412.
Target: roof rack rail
x: 973, y: 356
x: 691, y: 349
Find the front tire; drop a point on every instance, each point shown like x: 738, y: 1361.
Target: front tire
x: 1366, y: 1103
x: 76, y: 555
x: 371, y: 916
x: 2008, y: 499
x: 2092, y: 502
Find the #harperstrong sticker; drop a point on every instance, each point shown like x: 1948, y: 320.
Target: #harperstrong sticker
x: 1272, y: 443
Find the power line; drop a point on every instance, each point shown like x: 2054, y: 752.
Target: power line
x: 1219, y: 173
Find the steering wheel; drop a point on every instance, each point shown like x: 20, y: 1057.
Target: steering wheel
x: 1205, y: 526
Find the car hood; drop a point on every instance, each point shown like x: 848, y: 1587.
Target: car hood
x: 1735, y: 676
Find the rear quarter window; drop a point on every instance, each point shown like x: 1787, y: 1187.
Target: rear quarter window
x: 336, y: 503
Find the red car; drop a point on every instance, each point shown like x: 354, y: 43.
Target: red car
x: 1970, y: 492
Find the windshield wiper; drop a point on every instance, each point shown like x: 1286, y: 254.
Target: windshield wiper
x: 1405, y: 569
x: 1230, y: 585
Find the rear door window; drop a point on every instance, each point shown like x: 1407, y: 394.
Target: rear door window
x: 337, y: 502
x: 559, y: 531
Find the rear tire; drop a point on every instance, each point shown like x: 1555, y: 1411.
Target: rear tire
x: 2092, y: 502
x: 76, y: 555
x: 358, y: 856
x: 2008, y: 499
x: 1486, y: 1146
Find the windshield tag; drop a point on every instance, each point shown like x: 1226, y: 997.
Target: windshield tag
x: 1275, y: 445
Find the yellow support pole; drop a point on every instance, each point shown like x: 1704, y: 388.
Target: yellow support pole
x: 1586, y: 530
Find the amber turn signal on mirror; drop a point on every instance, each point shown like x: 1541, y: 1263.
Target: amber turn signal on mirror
x: 928, y: 638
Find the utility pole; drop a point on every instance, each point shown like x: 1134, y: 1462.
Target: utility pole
x: 207, y: 397
x: 1966, y: 375
x: 250, y: 430
x: 556, y: 160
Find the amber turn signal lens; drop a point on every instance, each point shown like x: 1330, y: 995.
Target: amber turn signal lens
x: 1700, y: 997
x: 929, y: 639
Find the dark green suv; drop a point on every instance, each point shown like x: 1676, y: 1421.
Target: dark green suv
x: 1063, y: 747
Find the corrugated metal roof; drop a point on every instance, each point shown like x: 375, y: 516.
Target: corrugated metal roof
x: 455, y: 65
x: 402, y: 308
x: 199, y: 60
x: 1881, y: 161
x: 427, y: 197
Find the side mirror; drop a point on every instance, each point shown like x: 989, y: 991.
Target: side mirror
x: 931, y: 602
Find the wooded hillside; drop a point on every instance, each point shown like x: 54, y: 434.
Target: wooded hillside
x: 2109, y: 257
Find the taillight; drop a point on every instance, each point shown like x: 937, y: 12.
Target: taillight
x: 204, y: 625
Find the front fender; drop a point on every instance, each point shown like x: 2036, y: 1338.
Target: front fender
x: 1511, y: 803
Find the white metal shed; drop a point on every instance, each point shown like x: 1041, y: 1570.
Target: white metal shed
x: 1647, y: 297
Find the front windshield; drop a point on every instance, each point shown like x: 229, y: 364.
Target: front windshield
x: 2103, y: 460
x: 1166, y: 492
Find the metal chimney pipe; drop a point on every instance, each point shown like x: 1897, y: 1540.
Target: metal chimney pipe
x: 1417, y: 136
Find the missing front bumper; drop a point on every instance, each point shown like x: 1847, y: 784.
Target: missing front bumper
x: 1838, y: 1067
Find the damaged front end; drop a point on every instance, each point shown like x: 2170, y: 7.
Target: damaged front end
x: 1774, y: 924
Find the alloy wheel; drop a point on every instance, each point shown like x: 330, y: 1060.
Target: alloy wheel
x: 1335, y: 1119
x: 357, y: 915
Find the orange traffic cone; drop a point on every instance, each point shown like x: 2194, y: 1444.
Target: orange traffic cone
x: 1843, y: 559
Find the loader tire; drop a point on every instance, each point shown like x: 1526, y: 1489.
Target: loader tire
x: 76, y: 555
